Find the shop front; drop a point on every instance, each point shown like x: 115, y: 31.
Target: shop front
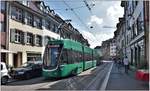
x: 34, y: 57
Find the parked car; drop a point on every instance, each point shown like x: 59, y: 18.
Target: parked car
x: 4, y: 73
x: 27, y: 70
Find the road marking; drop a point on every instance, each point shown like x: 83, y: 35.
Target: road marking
x: 86, y: 72
x: 103, y: 87
x: 94, y: 83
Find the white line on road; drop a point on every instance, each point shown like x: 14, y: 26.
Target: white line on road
x: 103, y: 87
x: 94, y: 83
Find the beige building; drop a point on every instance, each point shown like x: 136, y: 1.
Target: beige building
x: 28, y: 31
x: 29, y: 25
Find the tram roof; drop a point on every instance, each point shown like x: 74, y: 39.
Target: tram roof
x: 71, y: 44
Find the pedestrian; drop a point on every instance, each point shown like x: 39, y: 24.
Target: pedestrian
x: 126, y: 63
x: 119, y: 63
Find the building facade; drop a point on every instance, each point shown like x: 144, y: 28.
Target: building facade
x: 109, y: 49
x: 99, y: 50
x: 119, y: 36
x: 29, y: 26
x: 135, y: 32
x: 113, y: 48
x: 3, y: 31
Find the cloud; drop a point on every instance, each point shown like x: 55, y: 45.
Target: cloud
x: 115, y: 11
x: 95, y: 19
x: 109, y: 17
x: 104, y: 13
x: 95, y: 39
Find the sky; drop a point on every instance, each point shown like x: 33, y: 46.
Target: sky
x: 102, y: 13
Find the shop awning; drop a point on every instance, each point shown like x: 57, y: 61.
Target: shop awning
x: 6, y: 51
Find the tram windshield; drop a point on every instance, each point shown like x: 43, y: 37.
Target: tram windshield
x: 51, y: 56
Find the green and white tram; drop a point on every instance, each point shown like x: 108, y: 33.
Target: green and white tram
x: 65, y: 57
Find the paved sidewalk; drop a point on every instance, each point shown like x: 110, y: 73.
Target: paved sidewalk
x: 119, y: 80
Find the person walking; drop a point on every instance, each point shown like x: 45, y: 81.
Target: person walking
x: 119, y: 63
x: 126, y: 63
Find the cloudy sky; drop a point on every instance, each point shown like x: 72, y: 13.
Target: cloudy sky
x: 102, y: 13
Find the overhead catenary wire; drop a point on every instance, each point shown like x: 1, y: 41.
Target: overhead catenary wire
x: 79, y: 7
x: 80, y: 20
x: 74, y: 1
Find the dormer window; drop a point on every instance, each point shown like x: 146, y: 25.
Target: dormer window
x: 42, y: 7
x: 16, y: 13
x: 47, y: 9
x: 24, y: 2
x: 47, y: 25
x: 38, y: 22
x: 29, y: 19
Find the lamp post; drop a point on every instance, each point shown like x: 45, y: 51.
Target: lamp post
x: 61, y: 25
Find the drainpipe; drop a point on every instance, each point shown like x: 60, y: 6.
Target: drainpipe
x: 146, y: 31
x: 7, y: 9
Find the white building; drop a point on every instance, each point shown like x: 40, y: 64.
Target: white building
x: 113, y: 48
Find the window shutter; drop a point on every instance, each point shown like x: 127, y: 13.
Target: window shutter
x: 23, y: 17
x: 45, y: 40
x: 23, y: 38
x: 34, y: 24
x: 41, y: 24
x: 13, y: 12
x: 32, y: 20
x: 33, y: 40
x: 41, y: 42
x: 12, y: 35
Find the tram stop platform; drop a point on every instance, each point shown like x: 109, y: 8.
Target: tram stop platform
x: 119, y: 80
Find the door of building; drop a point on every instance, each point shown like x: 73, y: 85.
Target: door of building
x: 15, y: 60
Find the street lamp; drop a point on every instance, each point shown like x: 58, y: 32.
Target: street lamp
x: 61, y: 25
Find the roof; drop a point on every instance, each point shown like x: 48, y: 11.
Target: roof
x: 71, y: 44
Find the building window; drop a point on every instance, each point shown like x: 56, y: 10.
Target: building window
x: 24, y: 2
x: 2, y: 3
x: 54, y: 28
x: 17, y: 14
x: 47, y: 25
x: 37, y: 22
x: 38, y: 40
x: 29, y: 19
x: 18, y: 36
x: 136, y: 3
x: 140, y: 23
x: 134, y: 30
x: 47, y: 38
x: 29, y: 38
x: 2, y: 27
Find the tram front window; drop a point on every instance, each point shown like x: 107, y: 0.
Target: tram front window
x: 51, y: 57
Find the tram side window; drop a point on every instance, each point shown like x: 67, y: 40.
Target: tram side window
x: 90, y: 57
x: 74, y: 59
x: 86, y: 57
x: 80, y: 57
x: 64, y: 57
x: 77, y: 57
x: 78, y: 60
x: 70, y: 56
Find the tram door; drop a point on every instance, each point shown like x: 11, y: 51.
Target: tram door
x: 54, y: 56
